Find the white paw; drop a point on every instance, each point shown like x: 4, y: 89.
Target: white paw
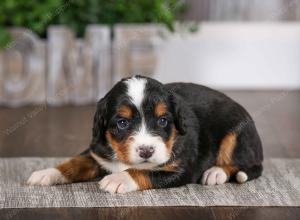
x: 46, y: 177
x: 118, y: 183
x: 214, y: 176
x: 241, y: 177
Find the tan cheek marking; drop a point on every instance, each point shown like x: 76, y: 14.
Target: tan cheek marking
x: 79, y: 169
x: 160, y: 109
x: 125, y: 112
x: 224, y: 158
x: 141, y: 177
x: 169, y: 143
x: 170, y: 167
x: 121, y: 148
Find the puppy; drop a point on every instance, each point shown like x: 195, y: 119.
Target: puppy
x: 148, y: 135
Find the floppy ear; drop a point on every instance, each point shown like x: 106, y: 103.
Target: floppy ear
x: 100, y: 121
x: 179, y: 113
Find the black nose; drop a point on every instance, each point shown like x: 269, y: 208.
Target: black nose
x: 145, y: 151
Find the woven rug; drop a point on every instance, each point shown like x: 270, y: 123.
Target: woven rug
x: 279, y: 186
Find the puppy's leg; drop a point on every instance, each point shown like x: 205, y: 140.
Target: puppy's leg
x: 218, y: 175
x: 223, y: 169
x: 79, y: 168
x: 133, y: 180
x: 246, y: 153
x: 248, y: 173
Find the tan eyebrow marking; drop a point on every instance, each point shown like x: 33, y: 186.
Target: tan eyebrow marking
x: 160, y: 109
x: 125, y: 111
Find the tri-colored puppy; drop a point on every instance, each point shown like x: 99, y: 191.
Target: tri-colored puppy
x: 148, y: 135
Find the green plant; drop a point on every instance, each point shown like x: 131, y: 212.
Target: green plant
x: 77, y: 14
x: 5, y: 38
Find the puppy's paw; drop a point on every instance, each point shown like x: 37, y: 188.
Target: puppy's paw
x: 214, y: 176
x: 118, y: 183
x: 241, y: 177
x: 46, y: 177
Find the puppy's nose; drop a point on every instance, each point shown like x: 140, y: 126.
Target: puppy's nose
x: 145, y: 151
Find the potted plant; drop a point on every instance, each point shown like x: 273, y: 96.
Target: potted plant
x: 74, y: 76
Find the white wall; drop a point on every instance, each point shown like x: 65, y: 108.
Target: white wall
x: 234, y: 56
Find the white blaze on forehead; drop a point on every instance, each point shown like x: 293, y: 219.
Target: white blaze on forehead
x: 143, y: 137
x: 135, y: 90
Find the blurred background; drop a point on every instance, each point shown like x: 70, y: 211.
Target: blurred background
x: 58, y: 57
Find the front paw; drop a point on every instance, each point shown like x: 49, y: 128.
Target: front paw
x: 118, y: 183
x: 46, y: 177
x: 214, y: 176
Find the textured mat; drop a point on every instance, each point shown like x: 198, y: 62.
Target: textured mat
x: 279, y: 186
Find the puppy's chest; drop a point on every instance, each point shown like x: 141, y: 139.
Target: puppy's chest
x: 117, y: 166
x: 112, y: 167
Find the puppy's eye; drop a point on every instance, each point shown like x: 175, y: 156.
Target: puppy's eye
x: 162, y: 122
x: 122, y: 124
